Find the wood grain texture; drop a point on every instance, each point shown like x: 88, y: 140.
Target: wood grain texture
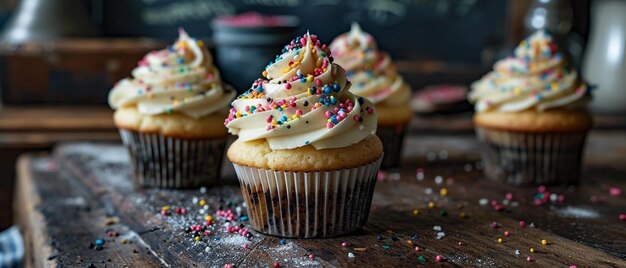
x: 86, y: 189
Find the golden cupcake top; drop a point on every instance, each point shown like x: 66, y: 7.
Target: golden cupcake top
x: 178, y: 79
x: 370, y: 70
x: 303, y: 99
x: 536, y: 77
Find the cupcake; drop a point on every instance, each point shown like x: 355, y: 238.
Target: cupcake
x: 375, y: 77
x: 531, y: 114
x: 307, y: 154
x: 169, y: 115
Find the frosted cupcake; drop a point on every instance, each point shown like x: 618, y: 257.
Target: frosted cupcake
x: 531, y: 112
x: 307, y: 154
x: 170, y: 116
x: 374, y: 76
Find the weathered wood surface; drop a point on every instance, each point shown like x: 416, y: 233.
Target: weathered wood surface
x: 68, y: 200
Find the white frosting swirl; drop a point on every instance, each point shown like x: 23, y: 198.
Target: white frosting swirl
x: 181, y: 78
x: 305, y: 101
x: 535, y: 78
x: 370, y: 70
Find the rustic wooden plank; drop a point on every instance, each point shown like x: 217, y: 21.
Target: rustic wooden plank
x: 394, y: 203
x: 62, y: 219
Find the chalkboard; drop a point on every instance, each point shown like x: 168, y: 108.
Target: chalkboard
x: 451, y: 30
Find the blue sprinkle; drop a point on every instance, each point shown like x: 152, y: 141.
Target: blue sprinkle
x: 259, y: 89
x: 333, y: 100
x: 283, y: 118
x: 216, y: 238
x: 327, y: 90
x: 303, y: 80
x: 282, y: 242
x: 99, y: 242
x: 180, y: 60
x: 280, y: 109
x: 306, y: 142
x: 336, y: 87
x: 243, y: 218
x: 361, y: 100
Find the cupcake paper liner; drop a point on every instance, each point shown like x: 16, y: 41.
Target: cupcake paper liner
x: 308, y: 204
x: 532, y: 158
x: 392, y: 138
x: 167, y: 162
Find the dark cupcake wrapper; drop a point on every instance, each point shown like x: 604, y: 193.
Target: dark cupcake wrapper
x: 308, y: 204
x: 521, y: 158
x: 392, y: 138
x: 169, y: 162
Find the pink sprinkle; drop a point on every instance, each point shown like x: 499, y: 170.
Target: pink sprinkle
x: 328, y: 114
x: 560, y: 198
x: 541, y: 188
x: 311, y: 256
x: 529, y: 259
x: 573, y: 266
x: 622, y: 217
x: 615, y: 191
x: 460, y: 243
x: 507, y: 233
x: 418, y: 249
x: 509, y: 196
x: 246, y: 246
x: 495, y: 225
x: 522, y: 224
x: 439, y: 258
x: 287, y: 86
x: 381, y: 175
x: 499, y: 208
x: 344, y: 244
x: 299, y: 112
x: 318, y: 82
x: 330, y: 125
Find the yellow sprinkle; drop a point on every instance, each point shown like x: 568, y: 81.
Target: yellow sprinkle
x: 309, y: 78
x: 197, y: 238
x: 286, y: 70
x: 200, y: 43
x: 518, y: 91
x: 409, y: 242
x: 500, y: 240
x: 544, y: 242
x: 208, y: 218
x: 295, y: 116
x: 150, y: 95
x: 555, y: 86
x: 416, y: 212
x: 238, y: 114
x: 165, y: 208
x: 443, y: 192
x: 463, y: 215
x: 532, y: 250
x: 265, y: 73
x: 274, y: 122
x: 202, y: 203
x: 431, y: 204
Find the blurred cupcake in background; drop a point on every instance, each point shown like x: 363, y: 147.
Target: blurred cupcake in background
x: 170, y: 116
x: 531, y: 113
x: 374, y: 76
x: 306, y: 156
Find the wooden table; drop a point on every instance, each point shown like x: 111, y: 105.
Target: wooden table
x: 83, y: 192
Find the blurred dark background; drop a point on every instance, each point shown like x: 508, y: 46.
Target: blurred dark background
x: 54, y: 85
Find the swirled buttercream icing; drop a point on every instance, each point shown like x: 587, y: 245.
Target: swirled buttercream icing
x: 180, y: 78
x: 303, y: 99
x: 535, y: 77
x: 371, y: 71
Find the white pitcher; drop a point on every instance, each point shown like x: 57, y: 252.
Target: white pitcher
x: 604, y: 64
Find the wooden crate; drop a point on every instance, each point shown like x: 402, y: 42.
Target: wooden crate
x: 70, y: 71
